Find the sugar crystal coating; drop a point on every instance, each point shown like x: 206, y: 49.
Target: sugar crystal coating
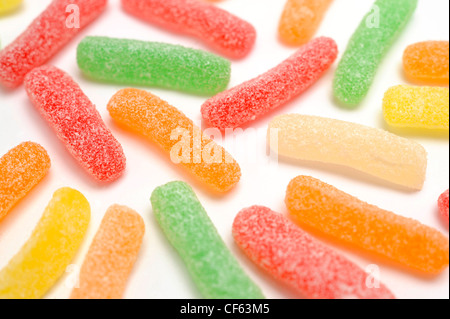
x: 301, y: 19
x: 252, y: 99
x: 50, y: 249
x: 170, y: 129
x: 366, y: 149
x: 294, y: 258
x: 220, y: 29
x: 443, y: 205
x: 46, y: 35
x: 154, y: 64
x: 21, y: 169
x: 9, y: 5
x: 427, y: 62
x: 416, y: 107
x: 187, y: 226
x: 367, y: 47
x: 322, y: 208
x: 76, y: 122
x: 111, y: 256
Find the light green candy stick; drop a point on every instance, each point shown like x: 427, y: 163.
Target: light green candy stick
x: 367, y: 47
x: 189, y: 229
x: 133, y: 62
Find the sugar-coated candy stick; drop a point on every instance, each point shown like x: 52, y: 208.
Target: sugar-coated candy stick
x: 443, y: 205
x: 112, y: 255
x: 76, y: 122
x: 294, y: 258
x: 155, y: 64
x: 416, y: 107
x: 367, y: 47
x: 9, y: 5
x: 328, y: 211
x: 220, y: 29
x: 47, y: 34
x: 252, y: 99
x: 369, y: 150
x: 50, y: 249
x: 427, y: 62
x: 170, y: 129
x: 21, y: 169
x: 187, y: 226
x: 301, y: 19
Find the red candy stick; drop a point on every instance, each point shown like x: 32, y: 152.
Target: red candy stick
x: 223, y: 31
x: 76, y: 122
x: 56, y: 26
x: 252, y: 99
x: 443, y: 205
x: 294, y: 258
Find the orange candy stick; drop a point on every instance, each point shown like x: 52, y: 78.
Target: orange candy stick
x: 21, y: 169
x: 112, y: 255
x: 324, y: 209
x: 427, y: 62
x: 301, y: 19
x: 163, y: 124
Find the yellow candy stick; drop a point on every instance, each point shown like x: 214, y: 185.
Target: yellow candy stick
x: 9, y: 5
x: 416, y: 107
x: 50, y: 249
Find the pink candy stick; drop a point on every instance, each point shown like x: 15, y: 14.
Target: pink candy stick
x: 76, y: 122
x: 252, y: 99
x: 48, y: 33
x: 293, y: 257
x: 443, y: 205
x: 223, y: 31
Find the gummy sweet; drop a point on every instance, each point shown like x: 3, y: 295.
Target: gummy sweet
x: 21, y: 169
x: 301, y: 19
x: 112, y: 255
x: 188, y: 228
x: 76, y: 122
x: 252, y: 99
x: 50, y: 249
x: 323, y: 209
x: 9, y: 5
x: 221, y: 30
x: 153, y: 64
x: 47, y: 35
x: 164, y: 125
x: 416, y: 107
x: 370, y: 150
x: 427, y: 62
x: 443, y: 205
x: 294, y: 258
x: 367, y: 47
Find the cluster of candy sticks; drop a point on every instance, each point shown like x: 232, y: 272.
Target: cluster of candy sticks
x: 276, y: 244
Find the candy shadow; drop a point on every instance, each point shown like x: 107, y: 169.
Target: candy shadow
x: 121, y: 85
x: 176, y: 258
x: 417, y: 82
x: 414, y: 132
x: 260, y: 273
x: 185, y: 175
x: 371, y: 257
x: 19, y: 207
x: 344, y: 171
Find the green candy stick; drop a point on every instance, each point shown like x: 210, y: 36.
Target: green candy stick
x: 162, y: 65
x: 367, y: 47
x: 186, y: 224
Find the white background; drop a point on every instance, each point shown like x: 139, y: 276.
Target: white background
x: 159, y: 272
